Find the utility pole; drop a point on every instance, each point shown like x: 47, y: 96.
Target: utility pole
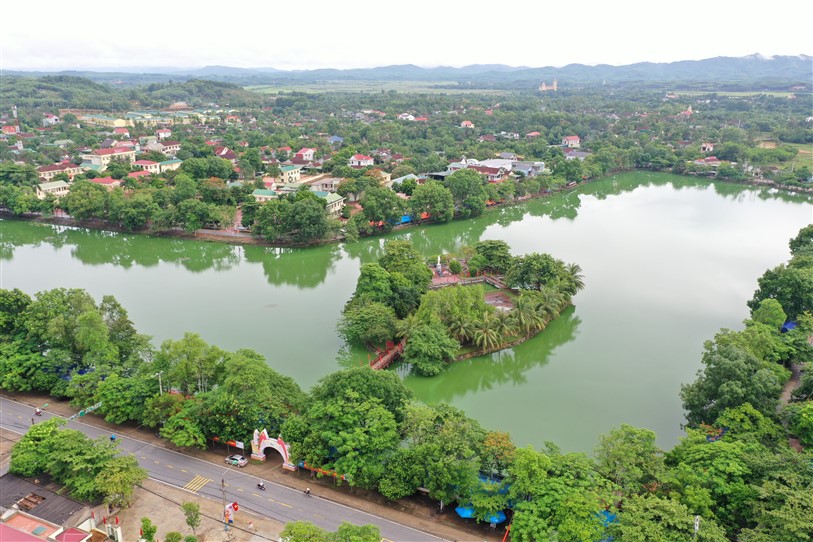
x: 223, y: 491
x: 160, y: 386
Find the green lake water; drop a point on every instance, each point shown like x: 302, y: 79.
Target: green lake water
x: 667, y: 261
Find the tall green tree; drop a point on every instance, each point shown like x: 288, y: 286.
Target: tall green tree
x: 649, y: 517
x: 629, y: 457
x: 382, y: 205
x: 731, y: 376
x: 428, y: 348
x: 432, y: 198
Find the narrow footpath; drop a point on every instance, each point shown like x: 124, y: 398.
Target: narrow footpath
x: 787, y: 392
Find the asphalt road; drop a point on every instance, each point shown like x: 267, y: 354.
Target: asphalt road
x: 224, y: 482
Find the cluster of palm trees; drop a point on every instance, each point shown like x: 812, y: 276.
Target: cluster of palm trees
x: 532, y: 312
x: 491, y: 330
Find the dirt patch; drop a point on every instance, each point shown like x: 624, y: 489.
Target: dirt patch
x: 500, y: 300
x: 162, y: 504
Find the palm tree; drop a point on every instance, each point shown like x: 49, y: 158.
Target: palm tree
x: 525, y: 315
x: 576, y: 279
x: 549, y: 302
x: 405, y: 327
x: 461, y: 328
x: 506, y: 325
x: 485, y: 332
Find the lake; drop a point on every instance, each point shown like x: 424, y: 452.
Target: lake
x: 667, y: 262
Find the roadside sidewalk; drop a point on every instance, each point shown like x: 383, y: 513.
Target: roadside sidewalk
x: 418, y: 513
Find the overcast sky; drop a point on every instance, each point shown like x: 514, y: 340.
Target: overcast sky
x: 50, y: 34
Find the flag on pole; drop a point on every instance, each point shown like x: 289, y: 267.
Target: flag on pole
x: 117, y: 520
x: 104, y: 520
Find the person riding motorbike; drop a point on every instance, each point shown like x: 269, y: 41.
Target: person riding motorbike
x: 261, y: 485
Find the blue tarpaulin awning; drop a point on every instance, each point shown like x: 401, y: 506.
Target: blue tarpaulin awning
x: 469, y: 512
x: 465, y: 511
x: 787, y: 326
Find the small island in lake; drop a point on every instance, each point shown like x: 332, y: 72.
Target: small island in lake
x: 454, y: 306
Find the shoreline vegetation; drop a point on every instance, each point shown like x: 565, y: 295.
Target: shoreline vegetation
x: 430, y: 314
x: 233, y: 237
x: 734, y: 469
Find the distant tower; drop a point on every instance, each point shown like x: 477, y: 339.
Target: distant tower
x: 14, y: 111
x: 555, y: 85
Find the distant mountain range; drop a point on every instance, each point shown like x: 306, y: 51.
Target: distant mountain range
x: 750, y: 70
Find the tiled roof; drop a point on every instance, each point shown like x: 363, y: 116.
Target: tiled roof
x: 105, y: 180
x: 114, y: 150
x: 62, y: 166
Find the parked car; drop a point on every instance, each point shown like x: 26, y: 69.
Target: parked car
x: 237, y: 459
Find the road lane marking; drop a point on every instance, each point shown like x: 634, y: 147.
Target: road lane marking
x: 197, y: 483
x: 283, y: 504
x: 170, y: 467
x: 318, y: 516
x: 239, y: 489
x: 183, y: 470
x: 156, y: 462
x: 255, y: 494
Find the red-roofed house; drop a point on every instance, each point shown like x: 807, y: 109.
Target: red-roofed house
x: 467, y: 124
x: 571, y: 142
x: 226, y: 154
x: 487, y: 137
x: 72, y: 534
x: 358, y: 161
x: 421, y: 119
x: 49, y: 119
x: 12, y: 534
x: 163, y: 133
x: 707, y: 147
x: 305, y: 154
x: 46, y: 173
x: 148, y: 165
x: 532, y: 135
x: 11, y: 129
x: 121, y: 131
x: 108, y: 182
x: 493, y: 174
